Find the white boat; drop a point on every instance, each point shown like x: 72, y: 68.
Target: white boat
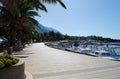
x: 79, y: 49
x: 102, y: 53
x: 105, y: 52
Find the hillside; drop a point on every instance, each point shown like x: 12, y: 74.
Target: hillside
x: 44, y: 29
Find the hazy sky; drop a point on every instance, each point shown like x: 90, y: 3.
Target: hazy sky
x: 84, y: 18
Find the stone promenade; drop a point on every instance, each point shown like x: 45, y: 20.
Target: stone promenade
x: 47, y: 63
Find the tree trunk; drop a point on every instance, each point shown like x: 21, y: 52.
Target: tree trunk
x: 12, y: 36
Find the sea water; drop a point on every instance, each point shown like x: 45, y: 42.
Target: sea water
x: 117, y: 51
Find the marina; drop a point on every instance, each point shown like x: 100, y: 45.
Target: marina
x: 103, y: 50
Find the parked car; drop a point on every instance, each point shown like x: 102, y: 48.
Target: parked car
x: 3, y: 41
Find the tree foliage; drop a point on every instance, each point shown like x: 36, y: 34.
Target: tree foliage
x: 51, y: 36
x: 12, y: 5
x: 18, y: 16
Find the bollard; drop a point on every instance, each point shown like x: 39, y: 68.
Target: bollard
x: 10, y: 50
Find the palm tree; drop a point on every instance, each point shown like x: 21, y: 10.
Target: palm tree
x: 7, y: 19
x: 20, y: 13
x: 12, y: 5
x: 17, y: 23
x: 26, y: 21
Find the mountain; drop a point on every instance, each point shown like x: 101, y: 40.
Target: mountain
x: 44, y: 29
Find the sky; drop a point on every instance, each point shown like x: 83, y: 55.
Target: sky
x: 84, y: 18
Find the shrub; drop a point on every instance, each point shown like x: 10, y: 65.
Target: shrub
x: 1, y: 64
x: 7, y: 60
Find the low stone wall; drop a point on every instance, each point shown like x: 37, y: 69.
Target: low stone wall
x: 13, y: 72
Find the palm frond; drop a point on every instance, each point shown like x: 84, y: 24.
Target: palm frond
x: 11, y: 5
x: 63, y: 5
x: 32, y: 13
x: 33, y: 21
x: 37, y: 4
x: 5, y: 16
x: 49, y: 1
x: 42, y: 7
x: 54, y: 2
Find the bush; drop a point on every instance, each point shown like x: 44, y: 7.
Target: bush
x: 1, y: 64
x: 7, y: 60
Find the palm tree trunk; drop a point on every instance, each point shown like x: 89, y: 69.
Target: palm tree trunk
x: 12, y: 36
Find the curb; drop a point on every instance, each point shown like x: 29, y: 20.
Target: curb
x: 28, y: 75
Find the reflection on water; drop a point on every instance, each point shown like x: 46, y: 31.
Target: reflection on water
x: 117, y: 50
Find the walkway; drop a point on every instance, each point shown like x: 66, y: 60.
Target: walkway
x: 48, y: 63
